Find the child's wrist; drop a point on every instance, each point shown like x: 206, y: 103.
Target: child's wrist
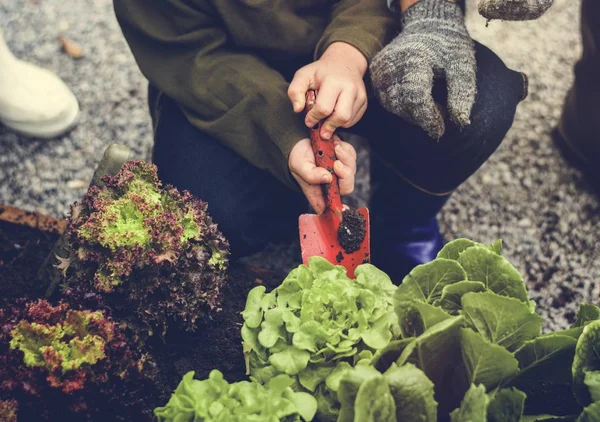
x: 347, y: 53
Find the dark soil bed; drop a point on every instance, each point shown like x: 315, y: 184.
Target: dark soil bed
x: 22, y: 252
x: 216, y: 344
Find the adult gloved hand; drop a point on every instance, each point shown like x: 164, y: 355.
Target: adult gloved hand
x: 434, y: 42
x: 513, y: 10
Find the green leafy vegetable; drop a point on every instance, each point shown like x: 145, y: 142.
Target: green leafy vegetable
x: 494, y: 271
x: 451, y: 300
x: 214, y: 399
x: 400, y: 394
x: 425, y: 282
x: 413, y: 393
x: 463, y: 342
x: 501, y: 320
x: 587, y: 313
x: 590, y: 413
x: 374, y: 402
x: 486, y: 363
x: 149, y: 249
x: 474, y: 406
x: 318, y: 323
x: 506, y: 406
x: 587, y: 359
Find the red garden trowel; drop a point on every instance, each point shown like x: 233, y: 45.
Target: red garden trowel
x: 338, y: 235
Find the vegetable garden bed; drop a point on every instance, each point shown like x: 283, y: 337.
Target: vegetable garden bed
x: 136, y: 313
x: 25, y: 243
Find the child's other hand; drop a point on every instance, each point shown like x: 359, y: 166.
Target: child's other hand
x: 302, y: 166
x: 338, y: 76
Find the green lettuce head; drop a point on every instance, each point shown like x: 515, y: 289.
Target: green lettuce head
x: 317, y: 324
x: 215, y: 400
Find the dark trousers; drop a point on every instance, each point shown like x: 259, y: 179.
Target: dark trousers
x: 252, y: 208
x: 579, y: 121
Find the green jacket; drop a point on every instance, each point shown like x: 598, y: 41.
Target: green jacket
x: 228, y: 63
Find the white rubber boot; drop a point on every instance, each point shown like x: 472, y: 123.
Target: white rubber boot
x: 34, y: 101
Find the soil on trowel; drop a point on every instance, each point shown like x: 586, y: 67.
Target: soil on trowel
x: 352, y: 231
x: 217, y: 343
x: 23, y: 250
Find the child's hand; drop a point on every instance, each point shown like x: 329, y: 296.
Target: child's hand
x: 338, y: 75
x: 302, y: 166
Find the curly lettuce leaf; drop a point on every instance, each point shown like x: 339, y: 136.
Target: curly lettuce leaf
x: 215, y: 400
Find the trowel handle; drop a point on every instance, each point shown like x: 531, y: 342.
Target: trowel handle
x: 324, y: 151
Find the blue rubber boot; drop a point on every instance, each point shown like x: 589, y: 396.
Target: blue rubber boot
x: 404, y: 228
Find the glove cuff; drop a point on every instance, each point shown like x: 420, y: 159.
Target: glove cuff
x: 433, y: 9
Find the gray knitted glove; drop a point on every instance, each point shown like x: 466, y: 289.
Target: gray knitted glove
x: 513, y: 10
x: 434, y: 42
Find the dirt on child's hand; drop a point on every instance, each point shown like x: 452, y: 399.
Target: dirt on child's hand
x: 302, y: 165
x: 338, y: 76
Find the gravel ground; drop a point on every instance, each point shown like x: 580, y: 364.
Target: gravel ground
x: 526, y: 194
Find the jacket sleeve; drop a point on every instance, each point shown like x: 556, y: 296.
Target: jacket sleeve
x: 367, y: 25
x: 233, y: 96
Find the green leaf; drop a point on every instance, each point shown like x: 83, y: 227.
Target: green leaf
x: 547, y: 418
x: 334, y: 378
x: 416, y: 317
x: 452, y: 250
x: 501, y: 320
x: 437, y: 353
x: 546, y: 376
x: 569, y: 332
x: 379, y: 335
x: 385, y: 357
x: 592, y: 380
x: 272, y: 328
x: 506, y: 406
x: 587, y: 358
x: 313, y: 375
x: 473, y: 407
x: 590, y: 413
x: 375, y: 280
x: 412, y: 392
x: 496, y: 247
x: 587, y: 313
x: 425, y: 282
x: 319, y: 267
x: 328, y: 407
x: 486, y: 363
x: 498, y: 275
x: 348, y: 389
x: 548, y: 350
x: 453, y: 293
x: 253, y: 314
x: 305, y: 404
x: 374, y: 402
x: 290, y: 361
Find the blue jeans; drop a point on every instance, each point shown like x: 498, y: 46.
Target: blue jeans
x: 252, y: 208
